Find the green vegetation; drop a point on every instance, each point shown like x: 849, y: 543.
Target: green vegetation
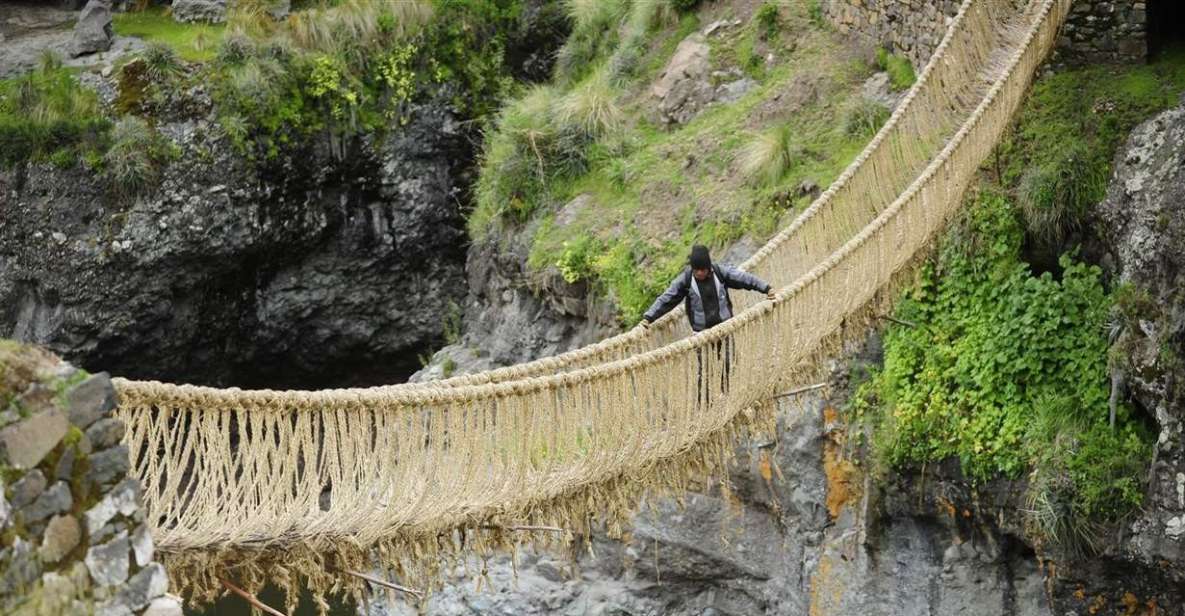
x: 899, y: 68
x: 1060, y: 154
x: 47, y: 115
x: 132, y: 164
x: 1008, y: 370
x: 192, y: 42
x: 650, y: 190
x: 355, y: 68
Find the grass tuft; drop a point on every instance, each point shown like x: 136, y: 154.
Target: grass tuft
x: 767, y: 158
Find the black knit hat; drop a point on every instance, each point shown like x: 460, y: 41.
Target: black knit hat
x: 699, y: 257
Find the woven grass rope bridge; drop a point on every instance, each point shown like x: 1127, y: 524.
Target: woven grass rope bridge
x: 295, y: 487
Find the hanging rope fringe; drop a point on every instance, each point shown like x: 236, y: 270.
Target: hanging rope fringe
x: 286, y: 486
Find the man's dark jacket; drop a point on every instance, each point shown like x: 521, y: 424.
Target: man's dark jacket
x: 683, y: 288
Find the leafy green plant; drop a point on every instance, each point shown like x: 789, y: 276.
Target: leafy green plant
x: 1008, y: 371
x: 767, y: 20
x: 901, y: 74
x: 576, y: 261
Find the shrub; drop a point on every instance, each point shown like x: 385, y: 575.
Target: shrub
x: 161, y: 62
x: 235, y: 49
x: 132, y: 164
x: 865, y: 118
x: 591, y: 107
x: 768, y: 157
x: 900, y: 70
x: 814, y: 11
x: 684, y: 6
x: 766, y: 19
x: 1007, y: 371
x: 594, y: 32
x: 1056, y: 195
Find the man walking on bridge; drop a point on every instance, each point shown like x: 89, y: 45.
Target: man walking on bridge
x: 703, y: 287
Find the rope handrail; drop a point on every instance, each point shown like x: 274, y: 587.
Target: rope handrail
x: 240, y: 477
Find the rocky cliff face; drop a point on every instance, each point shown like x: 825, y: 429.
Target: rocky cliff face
x: 301, y: 271
x: 1143, y: 224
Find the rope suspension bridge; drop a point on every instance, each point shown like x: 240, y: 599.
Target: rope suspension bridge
x: 291, y: 486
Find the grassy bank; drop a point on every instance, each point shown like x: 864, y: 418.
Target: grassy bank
x: 648, y: 189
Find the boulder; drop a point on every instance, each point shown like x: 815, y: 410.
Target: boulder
x: 683, y: 89
x: 214, y: 11
x: 199, y: 10
x: 93, y: 32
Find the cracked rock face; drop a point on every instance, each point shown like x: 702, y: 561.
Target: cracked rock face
x: 1142, y: 222
x: 303, y: 272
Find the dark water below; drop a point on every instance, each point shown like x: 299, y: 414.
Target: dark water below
x: 234, y: 605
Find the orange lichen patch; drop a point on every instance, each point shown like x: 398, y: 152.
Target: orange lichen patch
x: 830, y: 415
x: 1130, y: 604
x: 945, y: 506
x: 966, y: 513
x: 826, y: 589
x: 843, y: 485
x: 1153, y: 609
x: 1098, y: 604
x: 1080, y: 594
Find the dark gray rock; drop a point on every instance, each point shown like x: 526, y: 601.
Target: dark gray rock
x: 105, y: 433
x: 303, y: 272
x: 93, y: 32
x: 1142, y: 222
x: 24, y: 444
x: 213, y: 11
x: 64, y: 469
x: 148, y: 584
x: 57, y: 499
x: 108, y: 563
x: 108, y: 465
x: 22, y: 568
x: 28, y: 488
x: 90, y: 400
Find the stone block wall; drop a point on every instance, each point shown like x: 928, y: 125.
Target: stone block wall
x: 72, y: 533
x: 1095, y: 31
x: 912, y: 28
x: 1104, y: 31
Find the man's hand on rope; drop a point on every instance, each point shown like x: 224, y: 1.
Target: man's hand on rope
x: 770, y: 295
x: 644, y: 324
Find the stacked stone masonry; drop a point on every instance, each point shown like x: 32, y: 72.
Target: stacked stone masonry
x: 72, y: 533
x: 1095, y: 31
